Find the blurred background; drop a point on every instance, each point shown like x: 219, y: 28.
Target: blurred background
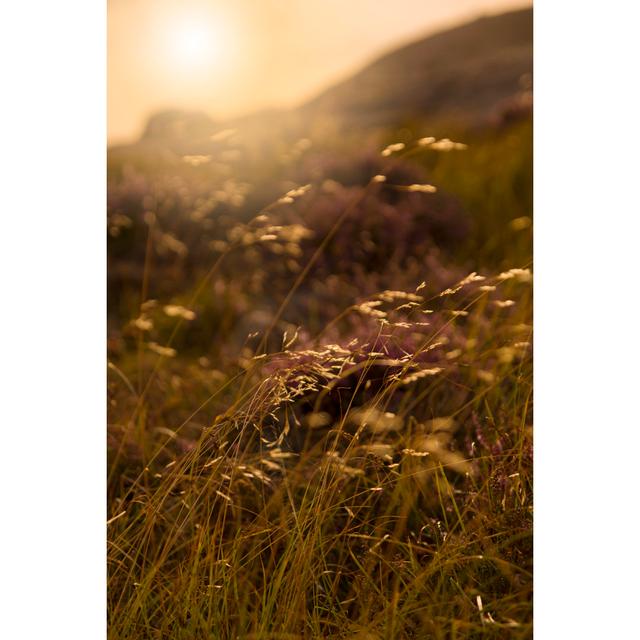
x: 230, y: 58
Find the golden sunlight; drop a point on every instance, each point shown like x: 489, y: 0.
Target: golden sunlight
x: 196, y: 42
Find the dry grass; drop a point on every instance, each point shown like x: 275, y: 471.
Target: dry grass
x: 364, y: 474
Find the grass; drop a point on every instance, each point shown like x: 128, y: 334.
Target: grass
x: 320, y: 416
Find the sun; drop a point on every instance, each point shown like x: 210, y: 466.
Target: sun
x: 196, y: 43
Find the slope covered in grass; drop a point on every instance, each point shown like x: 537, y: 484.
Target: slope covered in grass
x: 320, y: 392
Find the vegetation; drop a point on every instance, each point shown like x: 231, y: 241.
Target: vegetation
x: 320, y: 387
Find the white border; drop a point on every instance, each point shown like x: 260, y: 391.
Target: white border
x: 586, y: 319
x: 53, y: 262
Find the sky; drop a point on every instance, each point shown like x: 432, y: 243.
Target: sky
x: 231, y: 57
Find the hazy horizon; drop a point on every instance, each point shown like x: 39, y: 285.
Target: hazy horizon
x: 231, y: 58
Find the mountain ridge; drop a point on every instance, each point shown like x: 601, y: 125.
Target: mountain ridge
x: 468, y: 70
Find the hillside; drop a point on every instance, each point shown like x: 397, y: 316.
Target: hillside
x: 465, y: 73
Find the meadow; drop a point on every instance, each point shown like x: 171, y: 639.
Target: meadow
x: 320, y: 385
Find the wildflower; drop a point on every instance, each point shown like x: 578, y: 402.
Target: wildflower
x: 143, y: 323
x: 271, y: 465
x: 171, y: 243
x: 414, y: 453
x: 167, y: 352
x: 117, y: 222
x: 407, y: 305
x: 120, y: 220
x: 472, y: 277
x: 390, y: 296
x: 423, y: 373
x: 522, y: 275
x: 212, y: 462
x: 422, y: 188
x: 392, y: 148
x: 278, y: 454
x: 176, y: 310
x: 368, y: 308
x: 447, y: 145
x: 292, y: 194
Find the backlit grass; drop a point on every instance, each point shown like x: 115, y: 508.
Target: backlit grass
x: 320, y: 396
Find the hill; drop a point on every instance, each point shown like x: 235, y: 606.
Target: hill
x: 466, y: 73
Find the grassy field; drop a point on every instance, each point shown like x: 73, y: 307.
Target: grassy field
x: 320, y: 385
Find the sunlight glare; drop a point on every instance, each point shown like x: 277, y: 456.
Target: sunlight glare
x: 197, y: 43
